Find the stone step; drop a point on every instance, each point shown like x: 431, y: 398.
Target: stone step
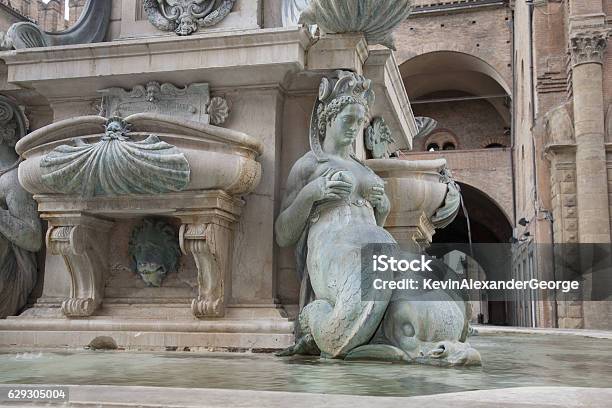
x: 147, y: 334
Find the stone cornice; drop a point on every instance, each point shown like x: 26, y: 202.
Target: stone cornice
x: 588, y: 47
x: 181, y: 60
x: 558, y: 149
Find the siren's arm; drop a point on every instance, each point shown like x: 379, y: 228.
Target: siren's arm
x: 297, y: 204
x: 19, y: 223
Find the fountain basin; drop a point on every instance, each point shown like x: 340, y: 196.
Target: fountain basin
x: 417, y: 191
x: 219, y: 159
x: 90, y: 172
x: 512, y: 360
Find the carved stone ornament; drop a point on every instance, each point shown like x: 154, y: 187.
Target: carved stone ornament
x: 91, y: 27
x: 192, y: 102
x: 378, y: 138
x: 82, y: 241
x: 425, y: 126
x: 376, y: 19
x: 205, y: 243
x: 116, y: 165
x: 185, y: 17
x: 13, y: 123
x: 218, y: 110
x: 5, y: 42
x: 154, y: 251
x: 588, y: 47
x: 446, y: 214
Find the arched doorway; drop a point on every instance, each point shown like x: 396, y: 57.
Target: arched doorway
x: 464, y: 94
x: 489, y: 257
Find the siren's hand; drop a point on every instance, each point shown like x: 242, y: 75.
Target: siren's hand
x: 332, y: 185
x: 376, y: 195
x: 379, y: 199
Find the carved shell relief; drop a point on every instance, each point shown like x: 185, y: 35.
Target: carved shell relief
x: 116, y: 165
x: 376, y: 19
x: 185, y: 17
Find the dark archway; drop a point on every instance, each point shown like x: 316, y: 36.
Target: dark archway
x: 491, y: 233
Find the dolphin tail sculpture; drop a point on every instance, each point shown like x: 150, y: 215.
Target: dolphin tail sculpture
x: 91, y: 27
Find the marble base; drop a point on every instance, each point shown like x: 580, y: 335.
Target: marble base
x: 145, y: 327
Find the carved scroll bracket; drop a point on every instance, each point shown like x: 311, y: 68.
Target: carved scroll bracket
x: 207, y: 234
x: 82, y: 241
x: 210, y: 244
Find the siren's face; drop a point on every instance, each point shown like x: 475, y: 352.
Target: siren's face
x: 348, y: 125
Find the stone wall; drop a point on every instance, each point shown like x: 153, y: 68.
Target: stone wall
x: 75, y: 9
x: 474, y: 123
x: 482, y: 32
x: 49, y: 15
x: 489, y: 171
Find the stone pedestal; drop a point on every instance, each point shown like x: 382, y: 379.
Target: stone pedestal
x: 225, y: 294
x: 339, y: 51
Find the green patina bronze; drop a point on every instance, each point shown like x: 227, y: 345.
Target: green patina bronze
x: 154, y: 251
x: 335, y: 206
x: 116, y: 165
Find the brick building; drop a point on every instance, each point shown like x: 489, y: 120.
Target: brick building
x: 50, y: 15
x: 521, y: 91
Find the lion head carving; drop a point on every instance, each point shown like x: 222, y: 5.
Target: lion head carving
x: 154, y: 250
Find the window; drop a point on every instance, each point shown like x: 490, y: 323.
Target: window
x: 441, y: 139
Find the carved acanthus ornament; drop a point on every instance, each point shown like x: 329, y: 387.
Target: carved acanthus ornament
x: 185, y: 17
x: 588, y: 47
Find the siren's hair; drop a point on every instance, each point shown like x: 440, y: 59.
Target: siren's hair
x: 329, y: 113
x: 335, y: 93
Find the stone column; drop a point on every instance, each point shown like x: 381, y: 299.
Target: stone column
x: 587, y: 49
